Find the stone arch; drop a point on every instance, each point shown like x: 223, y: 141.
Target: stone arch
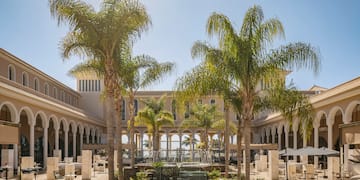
x: 44, y: 121
x: 13, y: 111
x: 333, y: 112
x: 73, y: 126
x: 319, y: 116
x: 64, y: 122
x: 348, y: 112
x: 28, y: 112
x: 80, y: 127
x: 54, y: 120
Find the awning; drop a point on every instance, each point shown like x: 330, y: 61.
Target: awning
x: 309, y: 151
x: 257, y: 146
x: 9, y: 133
x: 350, y: 133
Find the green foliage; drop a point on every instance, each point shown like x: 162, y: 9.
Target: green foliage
x: 141, y: 175
x: 158, y: 164
x: 214, y: 174
x: 243, y: 59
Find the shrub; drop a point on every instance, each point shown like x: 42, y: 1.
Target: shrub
x: 214, y: 174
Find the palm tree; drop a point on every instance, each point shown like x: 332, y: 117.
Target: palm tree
x: 154, y: 117
x: 140, y: 72
x: 291, y: 103
x: 202, y: 116
x: 100, y: 35
x: 241, y: 61
x: 188, y: 141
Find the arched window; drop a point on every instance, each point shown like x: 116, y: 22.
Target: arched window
x: 5, y: 114
x: 123, y: 111
x: 36, y: 84
x: 11, y: 72
x: 54, y: 92
x: 46, y: 88
x: 25, y: 79
x: 212, y: 101
x: 135, y: 107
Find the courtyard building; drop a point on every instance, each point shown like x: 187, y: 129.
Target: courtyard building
x: 52, y: 116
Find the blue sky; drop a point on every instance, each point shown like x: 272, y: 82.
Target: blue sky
x: 29, y: 32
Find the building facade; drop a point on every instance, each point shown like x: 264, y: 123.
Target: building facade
x: 55, y: 116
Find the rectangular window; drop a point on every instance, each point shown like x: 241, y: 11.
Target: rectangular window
x: 79, y: 83
x: 173, y: 108
x: 96, y: 86
x: 212, y: 101
x: 92, y: 85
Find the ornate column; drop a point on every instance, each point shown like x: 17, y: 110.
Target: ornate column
x: 99, y: 138
x: 56, y: 137
x: 81, y: 139
x: 66, y: 143
x: 45, y: 143
x: 330, y: 123
x: 316, y: 142
x: 180, y: 145
x: 295, y: 129
x: 287, y: 128
x: 279, y: 137
x: 87, y: 136
x: 32, y: 127
x: 346, y: 154
x: 167, y: 144
x: 192, y: 145
x: 74, y: 129
x: 141, y: 141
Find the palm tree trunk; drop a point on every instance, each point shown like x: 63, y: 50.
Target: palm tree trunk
x: 206, y: 139
x: 132, y: 126
x: 247, y: 131
x: 118, y: 115
x: 248, y: 114
x: 226, y: 139
x: 155, y: 146
x: 110, y: 84
x: 110, y: 134
x: 238, y: 152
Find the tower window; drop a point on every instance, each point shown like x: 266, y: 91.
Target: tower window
x: 11, y: 72
x: 25, y: 79
x: 36, y: 84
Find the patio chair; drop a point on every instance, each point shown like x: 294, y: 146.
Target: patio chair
x: 57, y: 175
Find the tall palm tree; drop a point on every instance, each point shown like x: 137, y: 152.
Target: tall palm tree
x: 202, y: 116
x: 140, y: 72
x: 154, y: 117
x: 240, y: 62
x: 134, y: 73
x: 101, y: 35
